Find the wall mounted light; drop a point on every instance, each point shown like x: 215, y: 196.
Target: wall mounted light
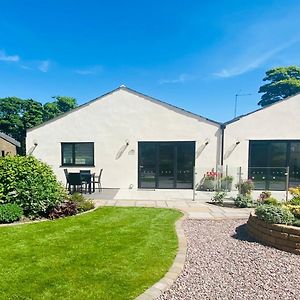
x: 237, y: 142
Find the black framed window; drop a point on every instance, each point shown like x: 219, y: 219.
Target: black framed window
x: 77, y: 154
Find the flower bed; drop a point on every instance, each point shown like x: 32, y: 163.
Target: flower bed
x: 283, y: 237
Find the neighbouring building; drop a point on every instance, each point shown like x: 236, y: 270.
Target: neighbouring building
x: 8, y: 145
x: 143, y: 143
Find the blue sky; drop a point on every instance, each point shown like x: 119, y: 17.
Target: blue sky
x: 193, y: 54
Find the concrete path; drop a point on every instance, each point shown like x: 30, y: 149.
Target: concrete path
x: 193, y: 209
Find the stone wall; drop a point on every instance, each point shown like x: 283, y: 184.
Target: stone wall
x: 283, y: 237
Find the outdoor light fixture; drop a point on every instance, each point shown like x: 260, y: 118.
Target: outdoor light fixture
x: 237, y: 142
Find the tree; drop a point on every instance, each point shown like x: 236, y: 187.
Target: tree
x: 283, y: 82
x: 17, y: 115
x: 61, y: 105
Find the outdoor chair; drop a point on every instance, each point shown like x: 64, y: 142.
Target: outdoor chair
x: 75, y: 182
x: 67, y: 178
x: 86, y: 178
x: 97, y: 181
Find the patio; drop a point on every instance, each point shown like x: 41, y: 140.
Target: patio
x: 180, y: 199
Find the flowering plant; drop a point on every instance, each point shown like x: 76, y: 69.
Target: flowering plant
x: 211, y: 175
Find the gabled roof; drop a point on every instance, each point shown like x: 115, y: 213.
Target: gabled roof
x: 122, y: 87
x: 9, y: 139
x: 259, y: 109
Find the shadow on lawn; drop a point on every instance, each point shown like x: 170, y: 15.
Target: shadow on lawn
x: 242, y: 234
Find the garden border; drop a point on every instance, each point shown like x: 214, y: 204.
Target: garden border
x: 178, y: 264
x: 44, y: 220
x: 283, y: 237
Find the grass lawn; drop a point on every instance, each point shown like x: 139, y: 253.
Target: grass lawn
x: 111, y: 253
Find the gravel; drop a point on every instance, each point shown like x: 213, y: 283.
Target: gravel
x: 223, y: 262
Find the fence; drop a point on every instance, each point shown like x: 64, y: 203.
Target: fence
x: 228, y: 178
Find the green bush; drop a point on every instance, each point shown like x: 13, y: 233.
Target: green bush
x: 274, y: 214
x: 10, y: 213
x: 296, y: 222
x: 82, y: 203
x: 271, y: 201
x: 245, y: 187
x: 294, y: 201
x: 219, y: 197
x: 243, y: 201
x: 30, y: 183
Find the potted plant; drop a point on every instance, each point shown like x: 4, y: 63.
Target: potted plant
x: 209, y: 181
x: 226, y: 183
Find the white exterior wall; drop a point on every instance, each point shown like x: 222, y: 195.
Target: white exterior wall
x: 279, y: 121
x: 114, y: 119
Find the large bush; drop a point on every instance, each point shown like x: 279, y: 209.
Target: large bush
x: 10, y: 212
x: 30, y: 183
x: 274, y: 214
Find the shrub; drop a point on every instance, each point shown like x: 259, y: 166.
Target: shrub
x: 294, y: 201
x: 242, y: 201
x: 295, y: 191
x: 263, y: 196
x: 245, y: 187
x: 65, y: 209
x: 296, y: 222
x: 271, y: 201
x: 29, y: 183
x: 219, y: 197
x: 294, y: 209
x: 10, y: 213
x: 82, y: 203
x: 274, y: 214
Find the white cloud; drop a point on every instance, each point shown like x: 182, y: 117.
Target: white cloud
x: 89, y: 71
x: 25, y: 67
x: 182, y: 78
x: 44, y: 66
x: 5, y: 57
x: 252, y: 61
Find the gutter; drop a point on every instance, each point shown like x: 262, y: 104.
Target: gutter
x: 223, y: 126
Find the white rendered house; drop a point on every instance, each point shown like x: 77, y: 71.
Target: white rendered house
x: 140, y: 142
x: 143, y: 143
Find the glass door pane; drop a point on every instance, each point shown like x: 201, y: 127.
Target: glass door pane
x: 258, y: 164
x: 147, y: 165
x: 277, y: 163
x: 185, y: 165
x: 166, y: 165
x: 294, y: 164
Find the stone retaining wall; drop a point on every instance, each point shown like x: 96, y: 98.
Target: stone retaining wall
x: 283, y: 237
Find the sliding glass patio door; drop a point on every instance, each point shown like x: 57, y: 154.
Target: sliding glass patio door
x: 166, y: 165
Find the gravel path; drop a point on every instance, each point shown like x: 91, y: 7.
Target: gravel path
x: 225, y: 264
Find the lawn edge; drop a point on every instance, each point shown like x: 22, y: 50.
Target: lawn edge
x: 176, y: 268
x: 46, y: 220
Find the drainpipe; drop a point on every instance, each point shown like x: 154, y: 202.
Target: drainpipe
x: 223, y: 126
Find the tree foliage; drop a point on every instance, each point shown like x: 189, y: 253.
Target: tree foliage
x: 61, y: 105
x: 282, y: 83
x: 17, y: 115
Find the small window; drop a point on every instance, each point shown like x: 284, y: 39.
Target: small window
x: 77, y: 154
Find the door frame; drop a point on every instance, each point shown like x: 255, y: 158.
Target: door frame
x: 157, y: 164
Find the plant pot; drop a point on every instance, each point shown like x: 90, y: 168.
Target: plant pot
x: 208, y: 185
x: 226, y: 185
